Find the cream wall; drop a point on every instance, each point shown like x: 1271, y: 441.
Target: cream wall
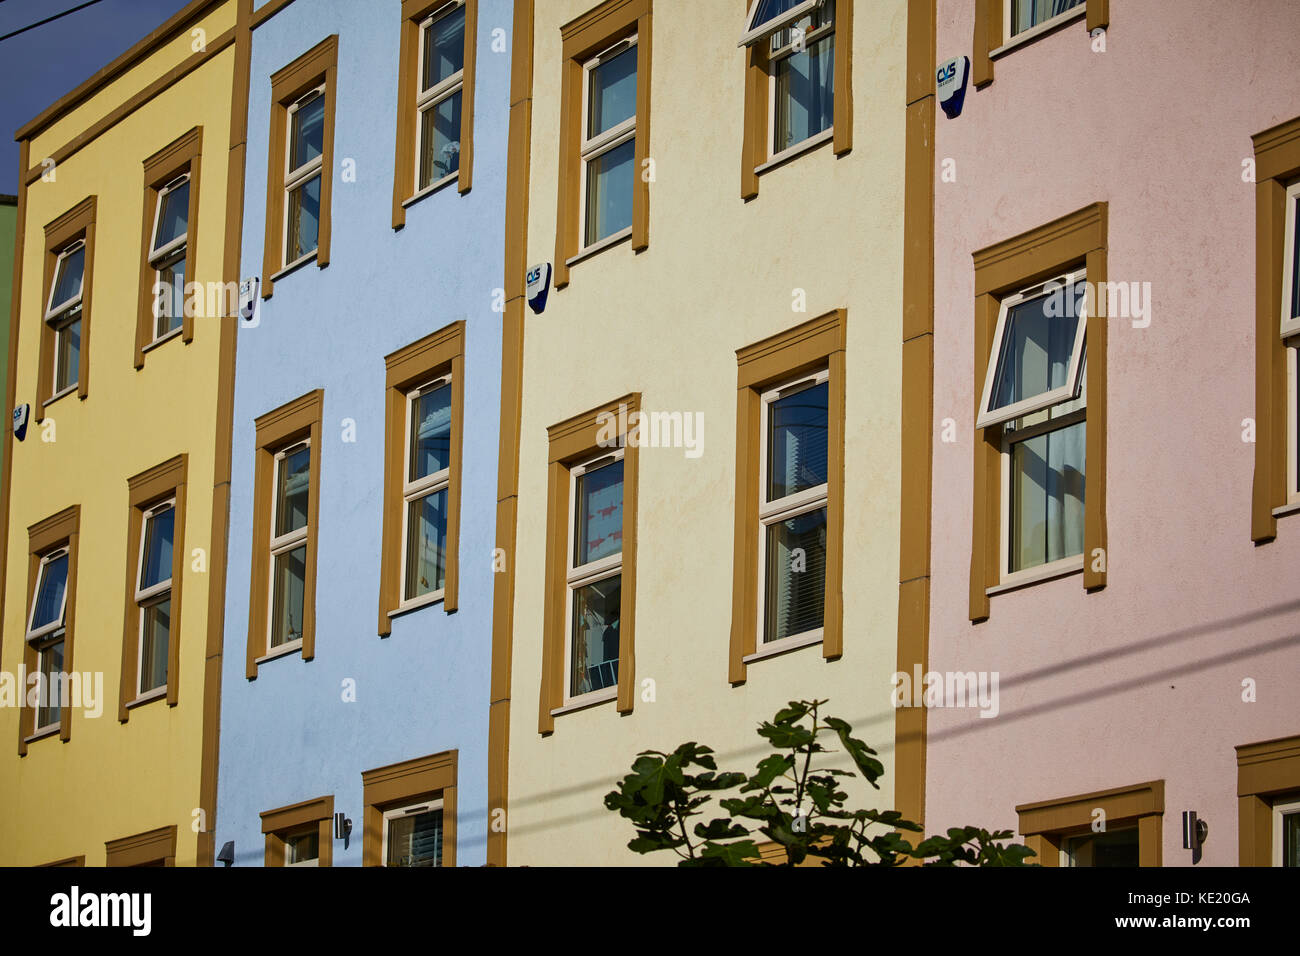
x: 719, y: 274
x: 113, y: 780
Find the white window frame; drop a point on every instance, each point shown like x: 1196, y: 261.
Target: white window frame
x: 1280, y: 809
x: 293, y: 178
x: 431, y: 98
x: 43, y: 646
x: 774, y: 57
x: 148, y: 595
x: 1073, y: 375
x: 284, y: 543
x: 1292, y: 424
x: 783, y: 509
x: 314, y: 829
x: 1037, y: 28
x: 45, y: 637
x: 167, y: 254
x: 411, y: 810
x: 421, y: 488
x: 1290, y: 323
x: 592, y: 572
x: 755, y: 33
x: 591, y: 150
x: 65, y: 314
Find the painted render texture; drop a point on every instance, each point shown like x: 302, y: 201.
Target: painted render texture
x: 1142, y: 680
x: 289, y: 736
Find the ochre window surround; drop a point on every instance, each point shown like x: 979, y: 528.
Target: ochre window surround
x: 409, y: 782
x: 59, y: 530
x: 1265, y: 771
x: 756, y: 146
x: 316, y: 67
x: 1277, y: 161
x: 990, y: 29
x: 570, y: 443
x: 1002, y: 270
x: 278, y: 824
x: 277, y: 429
x: 154, y: 848
x: 1047, y: 824
x: 160, y: 483
x: 582, y: 38
x: 414, y: 12
x: 67, y: 862
x: 77, y: 223
x: 176, y: 159
x: 812, y: 346
x: 409, y: 367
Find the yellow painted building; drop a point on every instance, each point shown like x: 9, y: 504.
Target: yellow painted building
x: 761, y: 249
x: 123, y: 193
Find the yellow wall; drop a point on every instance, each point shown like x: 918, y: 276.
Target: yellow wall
x: 719, y: 274
x: 113, y: 780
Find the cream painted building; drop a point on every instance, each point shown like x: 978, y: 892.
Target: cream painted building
x: 725, y: 224
x: 109, y: 506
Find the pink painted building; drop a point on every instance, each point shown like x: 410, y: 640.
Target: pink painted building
x: 1114, y: 540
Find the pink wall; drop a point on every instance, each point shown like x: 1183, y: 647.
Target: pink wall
x: 1142, y: 680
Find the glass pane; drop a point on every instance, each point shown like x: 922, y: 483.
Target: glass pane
x: 154, y: 636
x: 440, y: 140
x: 287, y: 589
x: 426, y: 544
x: 609, y: 192
x: 770, y: 9
x: 1037, y: 345
x: 444, y: 49
x: 169, y: 297
x: 292, y: 491
x: 67, y: 359
x: 431, y: 433
x: 1295, y: 261
x: 1028, y: 13
x: 805, y: 94
x: 1112, y: 848
x: 595, y: 636
x: 49, y: 595
x: 302, y: 848
x: 49, y: 710
x: 1291, y: 839
x: 796, y: 441
x: 307, y: 132
x: 304, y: 220
x: 68, y: 284
x: 612, y: 93
x: 599, y: 505
x: 796, y: 575
x: 1047, y: 490
x: 156, y: 560
x: 173, y: 216
x: 415, y: 840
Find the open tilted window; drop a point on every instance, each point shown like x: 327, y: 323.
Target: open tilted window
x: 63, y: 315
x: 168, y: 255
x: 45, y: 634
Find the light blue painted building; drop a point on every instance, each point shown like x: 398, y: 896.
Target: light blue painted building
x: 359, y: 459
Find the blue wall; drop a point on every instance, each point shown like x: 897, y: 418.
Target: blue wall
x: 288, y: 736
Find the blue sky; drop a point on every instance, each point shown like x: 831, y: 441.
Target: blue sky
x: 41, y: 65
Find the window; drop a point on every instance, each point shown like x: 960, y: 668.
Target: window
x: 156, y: 552
x: 588, y: 629
x: 299, y: 182
x: 1022, y: 15
x: 413, y: 835
x: 999, y: 22
x: 1034, y: 391
x: 1061, y: 832
x: 787, y: 567
x: 300, y: 834
x: 65, y: 331
x: 604, y: 193
x: 425, y: 401
x: 792, y: 511
x: 793, y: 70
x: 1286, y: 833
x: 594, y: 578
x: 63, y: 315
x: 52, y: 586
x: 410, y: 813
x: 1291, y: 338
x: 282, y: 611
x: 1040, y: 361
x: 1268, y: 802
x: 171, y: 196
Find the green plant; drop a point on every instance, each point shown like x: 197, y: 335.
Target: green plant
x: 791, y: 800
